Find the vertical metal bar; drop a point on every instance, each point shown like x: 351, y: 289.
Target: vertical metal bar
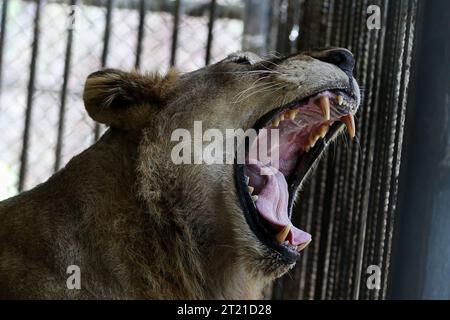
x: 256, y: 25
x: 3, y: 35
x: 106, y: 38
x: 107, y: 32
x: 212, y: 18
x: 140, y: 35
x: 67, y: 64
x: 176, y: 22
x: 30, y: 96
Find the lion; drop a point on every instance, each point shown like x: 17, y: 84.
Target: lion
x: 139, y: 226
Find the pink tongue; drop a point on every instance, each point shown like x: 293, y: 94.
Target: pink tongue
x: 272, y: 204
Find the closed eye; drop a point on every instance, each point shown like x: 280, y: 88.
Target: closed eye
x: 241, y: 60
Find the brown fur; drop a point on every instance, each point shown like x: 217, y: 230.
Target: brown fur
x: 136, y: 224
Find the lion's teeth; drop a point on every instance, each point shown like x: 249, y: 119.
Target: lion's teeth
x: 324, y: 104
x: 349, y: 121
x: 282, y: 235
x: 291, y: 114
x: 276, y: 122
x: 254, y: 198
x: 281, y: 117
x: 340, y: 100
x: 312, y: 140
x: 303, y: 246
x: 250, y: 189
x: 323, y: 130
x: 247, y: 180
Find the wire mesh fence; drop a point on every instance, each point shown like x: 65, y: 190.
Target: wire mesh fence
x: 50, y: 47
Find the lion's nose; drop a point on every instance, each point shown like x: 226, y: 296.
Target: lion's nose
x: 341, y: 57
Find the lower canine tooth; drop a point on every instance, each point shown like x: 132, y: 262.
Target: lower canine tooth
x: 282, y: 235
x: 254, y: 198
x: 303, y: 246
x: 313, y: 140
x: 349, y: 121
x: 323, y: 130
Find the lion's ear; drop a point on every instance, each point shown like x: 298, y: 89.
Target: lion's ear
x: 125, y: 99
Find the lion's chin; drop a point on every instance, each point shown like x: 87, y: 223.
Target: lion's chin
x: 267, y: 189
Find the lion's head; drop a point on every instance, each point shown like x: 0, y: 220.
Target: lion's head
x: 230, y: 219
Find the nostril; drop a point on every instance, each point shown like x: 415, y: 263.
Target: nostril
x: 340, y: 57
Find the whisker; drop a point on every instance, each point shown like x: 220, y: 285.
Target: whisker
x: 252, y: 86
x: 261, y: 90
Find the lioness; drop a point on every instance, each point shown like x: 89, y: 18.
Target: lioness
x: 140, y: 226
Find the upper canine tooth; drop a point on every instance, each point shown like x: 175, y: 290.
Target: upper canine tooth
x: 340, y: 100
x: 250, y: 189
x: 349, y: 121
x: 281, y: 117
x: 247, y: 179
x: 303, y: 246
x: 324, y: 104
x: 254, y: 198
x: 282, y: 235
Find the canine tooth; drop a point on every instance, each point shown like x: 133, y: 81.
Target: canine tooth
x: 276, y: 122
x: 340, y: 100
x: 313, y: 140
x: 349, y: 121
x: 247, y: 179
x: 251, y: 189
x: 323, y: 130
x: 254, y: 198
x: 282, y: 235
x: 281, y: 117
x: 303, y: 246
x: 324, y: 104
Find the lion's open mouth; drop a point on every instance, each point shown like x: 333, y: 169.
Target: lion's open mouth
x: 305, y: 129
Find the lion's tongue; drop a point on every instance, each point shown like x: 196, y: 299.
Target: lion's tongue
x: 272, y: 203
